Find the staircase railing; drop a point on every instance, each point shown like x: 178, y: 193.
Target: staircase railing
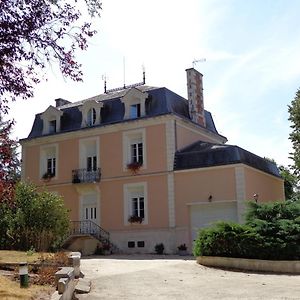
x: 91, y: 228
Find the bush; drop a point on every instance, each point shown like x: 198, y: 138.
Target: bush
x: 272, y: 231
x: 38, y: 220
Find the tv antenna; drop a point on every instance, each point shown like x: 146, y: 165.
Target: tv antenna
x: 195, y: 61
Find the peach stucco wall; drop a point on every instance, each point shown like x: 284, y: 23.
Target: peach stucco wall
x: 269, y: 188
x: 185, y: 137
x: 112, y: 203
x: 197, y: 186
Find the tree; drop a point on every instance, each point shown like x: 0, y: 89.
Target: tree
x: 290, y: 182
x: 35, y: 34
x: 9, y: 163
x: 294, y: 111
x: 38, y: 220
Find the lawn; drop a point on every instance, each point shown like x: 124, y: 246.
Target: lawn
x: 10, y: 290
x: 7, y: 256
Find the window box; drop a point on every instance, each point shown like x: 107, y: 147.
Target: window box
x: 47, y: 176
x: 135, y: 219
x: 134, y: 167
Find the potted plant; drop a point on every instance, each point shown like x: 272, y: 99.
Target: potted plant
x: 134, y: 166
x: 76, y: 178
x: 159, y: 248
x: 47, y: 176
x: 135, y: 219
x: 182, y: 249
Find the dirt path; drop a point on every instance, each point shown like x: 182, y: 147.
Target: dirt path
x: 147, y: 277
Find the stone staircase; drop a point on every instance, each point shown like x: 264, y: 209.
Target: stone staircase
x: 89, y: 228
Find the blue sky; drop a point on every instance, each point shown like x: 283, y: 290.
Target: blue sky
x: 251, y: 72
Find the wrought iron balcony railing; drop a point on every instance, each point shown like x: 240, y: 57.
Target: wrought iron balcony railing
x: 85, y: 176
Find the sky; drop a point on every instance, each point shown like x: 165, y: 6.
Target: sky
x: 251, y: 70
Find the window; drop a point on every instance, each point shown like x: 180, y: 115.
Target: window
x: 135, y: 203
x: 91, y: 117
x: 134, y: 148
x: 141, y: 244
x: 51, y: 166
x: 91, y: 213
x: 135, y: 110
x: 131, y: 244
x: 137, y: 152
x: 49, y: 161
x: 52, y: 126
x: 91, y: 163
x: 138, y: 208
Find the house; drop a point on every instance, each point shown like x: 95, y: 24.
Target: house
x: 144, y: 165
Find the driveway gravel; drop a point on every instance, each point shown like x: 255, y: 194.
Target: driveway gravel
x: 174, y: 277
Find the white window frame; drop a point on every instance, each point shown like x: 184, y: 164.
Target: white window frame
x: 89, y: 204
x: 131, y: 191
x: 83, y: 144
x: 133, y: 97
x: 131, y: 137
x: 44, y: 156
x: 86, y: 109
x: 49, y: 115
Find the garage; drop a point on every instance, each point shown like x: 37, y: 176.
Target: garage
x: 204, y: 214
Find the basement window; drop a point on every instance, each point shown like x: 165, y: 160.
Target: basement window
x: 141, y: 244
x: 131, y: 244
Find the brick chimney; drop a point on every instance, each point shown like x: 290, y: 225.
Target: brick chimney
x: 195, y: 96
x: 60, y: 102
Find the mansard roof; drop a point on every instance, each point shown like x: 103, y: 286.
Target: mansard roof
x: 160, y: 101
x: 203, y: 154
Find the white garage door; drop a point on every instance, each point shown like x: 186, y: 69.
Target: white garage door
x: 203, y: 215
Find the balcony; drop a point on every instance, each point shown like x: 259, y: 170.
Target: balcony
x: 85, y: 176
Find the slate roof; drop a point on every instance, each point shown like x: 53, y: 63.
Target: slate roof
x: 160, y: 101
x: 203, y: 154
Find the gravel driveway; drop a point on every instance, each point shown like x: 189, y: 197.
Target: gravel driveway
x: 173, y: 277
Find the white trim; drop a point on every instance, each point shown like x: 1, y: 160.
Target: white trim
x: 240, y: 187
x: 86, y: 192
x: 126, y: 142
x: 85, y: 109
x: 127, y: 200
x: 132, y: 97
x: 171, y: 200
x: 42, y: 167
x: 170, y: 144
x: 82, y: 151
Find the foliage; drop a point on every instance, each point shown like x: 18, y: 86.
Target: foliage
x: 229, y: 240
x: 182, y: 247
x: 159, y: 248
x: 39, y: 220
x: 290, y: 182
x: 272, y: 231
x: 134, y: 167
x: 135, y: 219
x: 294, y: 111
x: 9, y: 163
x: 33, y: 35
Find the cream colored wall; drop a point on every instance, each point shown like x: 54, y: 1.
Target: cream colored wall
x: 197, y: 186
x: 269, y: 188
x: 186, y: 136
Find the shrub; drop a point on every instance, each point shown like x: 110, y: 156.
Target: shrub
x: 159, y: 248
x: 272, y: 231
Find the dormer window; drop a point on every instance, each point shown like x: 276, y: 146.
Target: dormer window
x: 91, y: 112
x: 134, y: 103
x: 51, y: 120
x: 52, y: 126
x: 135, y: 110
x: 91, y: 117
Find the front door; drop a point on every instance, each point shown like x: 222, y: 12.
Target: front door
x: 89, y: 212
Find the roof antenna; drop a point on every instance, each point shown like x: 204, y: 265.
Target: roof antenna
x: 144, y: 74
x: 195, y: 61
x: 104, y: 78
x: 124, y: 72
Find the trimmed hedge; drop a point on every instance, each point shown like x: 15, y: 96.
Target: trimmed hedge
x: 272, y: 231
